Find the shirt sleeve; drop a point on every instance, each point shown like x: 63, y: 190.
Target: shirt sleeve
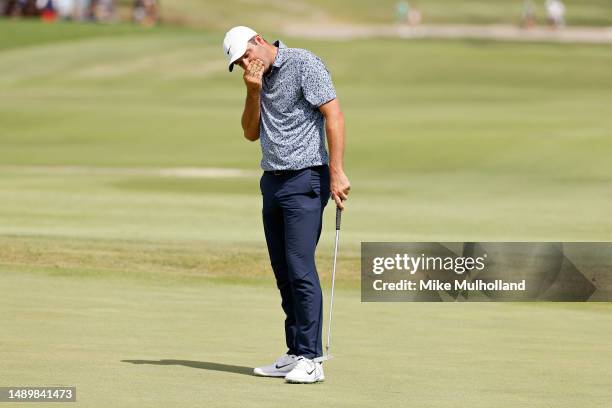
x: 317, y: 84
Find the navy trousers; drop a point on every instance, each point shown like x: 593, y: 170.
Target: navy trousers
x: 293, y: 204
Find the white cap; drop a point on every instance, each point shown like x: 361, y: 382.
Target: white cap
x: 235, y: 43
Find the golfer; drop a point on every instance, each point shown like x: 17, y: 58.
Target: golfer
x: 290, y: 107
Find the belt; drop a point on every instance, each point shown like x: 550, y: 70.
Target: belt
x: 282, y: 172
x: 290, y: 171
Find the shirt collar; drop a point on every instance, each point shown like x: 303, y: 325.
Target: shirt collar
x: 280, y: 54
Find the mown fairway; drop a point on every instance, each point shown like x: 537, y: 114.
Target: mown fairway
x: 277, y: 13
x: 108, y: 256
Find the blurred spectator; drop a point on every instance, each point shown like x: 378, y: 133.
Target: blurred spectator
x: 528, y: 19
x: 145, y: 12
x: 556, y: 13
x: 47, y: 10
x: 65, y: 9
x: 103, y: 10
x: 18, y: 8
x: 402, y: 9
x: 414, y: 16
x: 83, y: 10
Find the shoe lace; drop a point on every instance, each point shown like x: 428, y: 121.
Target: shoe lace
x: 305, y: 363
x: 285, y: 358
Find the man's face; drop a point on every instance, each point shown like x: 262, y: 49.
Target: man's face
x: 255, y: 50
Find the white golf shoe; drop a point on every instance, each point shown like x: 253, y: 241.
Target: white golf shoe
x: 280, y: 368
x: 305, y: 371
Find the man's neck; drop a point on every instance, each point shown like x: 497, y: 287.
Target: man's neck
x: 273, y: 54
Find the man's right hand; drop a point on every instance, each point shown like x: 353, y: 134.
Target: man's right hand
x: 253, y: 75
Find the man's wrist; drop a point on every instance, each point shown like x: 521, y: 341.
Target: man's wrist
x: 336, y: 169
x: 253, y: 94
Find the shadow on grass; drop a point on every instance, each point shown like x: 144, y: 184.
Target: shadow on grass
x: 204, y: 365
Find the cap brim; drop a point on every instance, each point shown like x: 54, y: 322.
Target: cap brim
x: 236, y: 56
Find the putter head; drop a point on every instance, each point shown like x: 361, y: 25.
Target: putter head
x: 323, y: 358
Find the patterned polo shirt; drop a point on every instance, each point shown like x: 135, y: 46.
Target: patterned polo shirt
x: 292, y: 129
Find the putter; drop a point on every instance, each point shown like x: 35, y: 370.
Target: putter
x: 327, y: 355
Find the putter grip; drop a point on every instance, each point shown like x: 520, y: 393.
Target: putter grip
x: 338, y: 218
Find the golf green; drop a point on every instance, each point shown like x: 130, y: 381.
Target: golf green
x: 127, y: 342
